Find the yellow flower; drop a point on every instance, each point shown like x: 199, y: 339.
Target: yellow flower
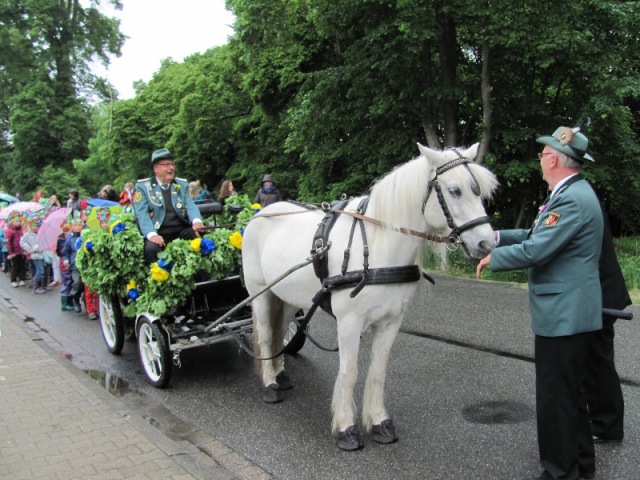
x: 131, y: 284
x: 195, y: 244
x: 256, y: 206
x: 159, y: 274
x: 236, y: 240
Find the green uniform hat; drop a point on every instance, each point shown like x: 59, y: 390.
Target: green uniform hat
x: 568, y: 141
x: 160, y: 154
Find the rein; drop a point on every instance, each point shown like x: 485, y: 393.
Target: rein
x: 406, y: 231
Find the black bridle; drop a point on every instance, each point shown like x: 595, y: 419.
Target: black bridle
x: 435, y: 185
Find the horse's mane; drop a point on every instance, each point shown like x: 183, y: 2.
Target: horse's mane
x: 397, y: 197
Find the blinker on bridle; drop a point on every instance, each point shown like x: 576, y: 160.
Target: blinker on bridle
x: 435, y: 185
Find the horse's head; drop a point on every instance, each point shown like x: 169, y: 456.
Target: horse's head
x: 453, y: 200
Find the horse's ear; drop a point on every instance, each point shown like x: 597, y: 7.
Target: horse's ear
x: 472, y: 151
x: 424, y: 151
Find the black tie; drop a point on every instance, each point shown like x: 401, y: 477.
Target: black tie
x: 164, y: 186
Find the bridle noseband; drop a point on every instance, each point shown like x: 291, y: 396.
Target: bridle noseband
x: 435, y: 185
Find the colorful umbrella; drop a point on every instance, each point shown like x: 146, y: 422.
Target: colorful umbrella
x: 22, y: 207
x: 5, y: 197
x: 93, y: 220
x: 50, y: 229
x: 101, y: 202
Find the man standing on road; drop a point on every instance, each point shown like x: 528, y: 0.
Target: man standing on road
x: 561, y: 251
x: 163, y: 208
x: 602, y: 383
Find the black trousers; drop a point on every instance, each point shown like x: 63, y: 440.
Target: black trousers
x: 564, y: 434
x: 151, y: 250
x: 602, y: 385
x: 18, y: 268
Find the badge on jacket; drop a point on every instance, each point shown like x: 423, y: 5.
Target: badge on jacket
x: 552, y: 219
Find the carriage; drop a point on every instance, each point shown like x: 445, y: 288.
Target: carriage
x: 215, y: 311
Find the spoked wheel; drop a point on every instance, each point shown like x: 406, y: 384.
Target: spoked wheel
x: 155, y: 355
x: 291, y: 344
x: 112, y: 324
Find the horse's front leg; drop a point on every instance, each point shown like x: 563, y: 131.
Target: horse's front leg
x: 374, y: 413
x: 343, y: 406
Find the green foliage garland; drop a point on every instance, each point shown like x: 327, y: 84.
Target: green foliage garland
x: 113, y: 264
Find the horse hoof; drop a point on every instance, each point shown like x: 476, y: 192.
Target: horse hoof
x: 284, y: 381
x: 350, y: 439
x: 385, y: 432
x: 271, y: 394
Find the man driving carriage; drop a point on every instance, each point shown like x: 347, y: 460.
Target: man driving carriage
x: 163, y: 208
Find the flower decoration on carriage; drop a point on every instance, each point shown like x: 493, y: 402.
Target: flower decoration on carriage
x: 256, y: 207
x: 132, y: 291
x: 162, y: 263
x: 236, y: 240
x: 88, y: 246
x: 195, y: 244
x: 79, y: 242
x: 117, y: 227
x: 207, y: 246
x: 158, y: 273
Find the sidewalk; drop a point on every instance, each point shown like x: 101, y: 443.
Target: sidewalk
x: 58, y: 423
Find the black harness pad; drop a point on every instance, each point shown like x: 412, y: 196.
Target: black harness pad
x: 320, y: 239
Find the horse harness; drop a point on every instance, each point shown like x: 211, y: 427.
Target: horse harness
x: 385, y: 275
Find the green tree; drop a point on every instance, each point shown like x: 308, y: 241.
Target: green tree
x: 47, y: 47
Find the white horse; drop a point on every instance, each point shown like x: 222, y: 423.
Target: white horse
x: 439, y: 192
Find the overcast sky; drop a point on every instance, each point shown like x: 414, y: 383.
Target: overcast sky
x: 158, y: 29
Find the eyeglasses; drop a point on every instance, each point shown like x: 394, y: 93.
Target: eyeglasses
x: 166, y: 164
x: 542, y: 154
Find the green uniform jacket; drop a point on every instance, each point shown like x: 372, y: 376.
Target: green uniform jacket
x: 149, y: 207
x: 561, y: 251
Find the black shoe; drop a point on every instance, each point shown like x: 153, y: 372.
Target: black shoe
x: 599, y: 440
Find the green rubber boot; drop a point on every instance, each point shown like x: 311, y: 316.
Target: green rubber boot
x: 64, y: 302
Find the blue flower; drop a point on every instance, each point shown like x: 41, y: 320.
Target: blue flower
x: 88, y: 246
x: 162, y: 263
x: 207, y: 246
x: 133, y: 293
x: 117, y: 228
x: 79, y: 241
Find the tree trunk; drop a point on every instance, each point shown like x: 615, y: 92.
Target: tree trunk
x: 486, y: 103
x: 448, y: 66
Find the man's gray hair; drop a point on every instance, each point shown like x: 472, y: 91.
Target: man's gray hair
x: 567, y: 162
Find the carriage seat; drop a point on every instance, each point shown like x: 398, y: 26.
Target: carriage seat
x: 208, y: 209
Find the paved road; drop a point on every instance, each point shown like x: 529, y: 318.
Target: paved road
x: 460, y: 388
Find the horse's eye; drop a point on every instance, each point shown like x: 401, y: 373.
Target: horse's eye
x: 455, y: 192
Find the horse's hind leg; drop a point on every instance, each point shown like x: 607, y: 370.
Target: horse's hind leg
x: 348, y: 435
x: 266, y: 312
x: 374, y: 414
x: 285, y: 313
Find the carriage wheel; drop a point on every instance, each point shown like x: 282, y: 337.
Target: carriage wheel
x: 294, y: 344
x: 112, y: 324
x: 154, y: 353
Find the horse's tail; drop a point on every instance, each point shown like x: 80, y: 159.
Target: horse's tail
x: 256, y: 342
